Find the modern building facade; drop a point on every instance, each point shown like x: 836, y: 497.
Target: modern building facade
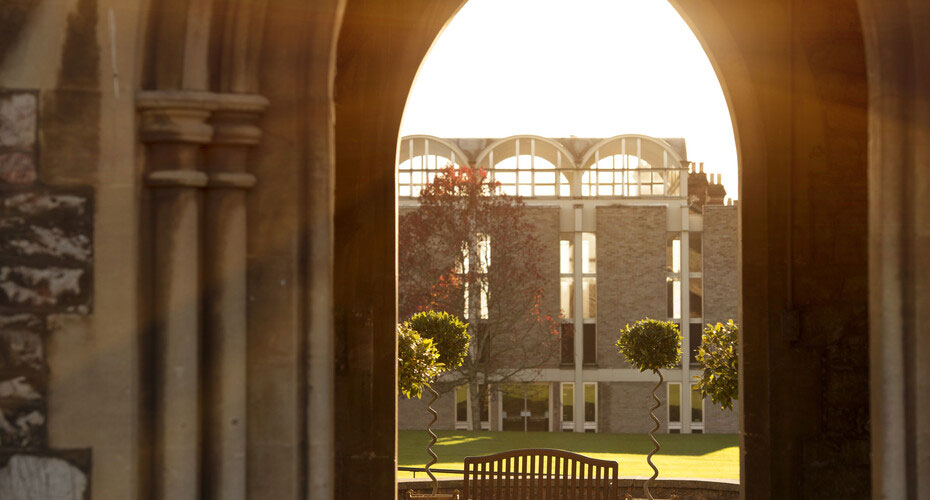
x: 613, y: 218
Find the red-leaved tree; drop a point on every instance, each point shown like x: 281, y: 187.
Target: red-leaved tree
x: 471, y: 251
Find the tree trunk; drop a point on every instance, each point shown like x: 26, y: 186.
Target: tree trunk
x: 474, y: 313
x: 474, y: 393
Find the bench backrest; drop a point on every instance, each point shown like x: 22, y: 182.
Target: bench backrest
x: 539, y: 474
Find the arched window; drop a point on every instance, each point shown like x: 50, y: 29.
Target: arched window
x: 419, y: 160
x: 528, y: 166
x: 631, y: 166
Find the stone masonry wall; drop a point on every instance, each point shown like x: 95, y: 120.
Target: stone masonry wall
x: 624, y: 407
x: 630, y: 273
x: 412, y: 414
x: 717, y: 421
x: 721, y: 271
x: 45, y: 268
x: 46, y: 276
x: 545, y: 224
x: 721, y: 294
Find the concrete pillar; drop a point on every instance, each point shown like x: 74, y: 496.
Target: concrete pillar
x: 685, y: 263
x: 174, y: 127
x: 578, y: 318
x: 225, y: 297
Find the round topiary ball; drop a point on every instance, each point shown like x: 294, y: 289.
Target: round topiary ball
x: 448, y: 333
x: 651, y: 344
x: 417, y: 362
x: 718, y: 356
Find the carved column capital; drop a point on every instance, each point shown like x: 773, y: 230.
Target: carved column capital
x: 235, y: 131
x: 178, y: 116
x: 235, y: 119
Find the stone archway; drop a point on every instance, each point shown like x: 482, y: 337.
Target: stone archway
x: 795, y: 77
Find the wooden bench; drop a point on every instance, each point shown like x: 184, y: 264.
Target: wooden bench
x: 539, y: 474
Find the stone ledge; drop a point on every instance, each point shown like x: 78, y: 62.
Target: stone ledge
x: 686, y: 489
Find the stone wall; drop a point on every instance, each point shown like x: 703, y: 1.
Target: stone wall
x: 718, y: 421
x: 46, y: 279
x: 721, y: 294
x: 412, y: 414
x: 630, y: 273
x: 721, y: 271
x: 545, y: 225
x: 623, y: 407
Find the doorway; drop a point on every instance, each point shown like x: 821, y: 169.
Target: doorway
x: 525, y: 407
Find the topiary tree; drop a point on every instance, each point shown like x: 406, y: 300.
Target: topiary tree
x: 651, y: 345
x: 719, y: 358
x: 449, y: 335
x: 417, y: 362
x: 450, y: 339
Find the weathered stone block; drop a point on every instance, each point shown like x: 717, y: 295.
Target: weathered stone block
x: 46, y: 249
x: 45, y: 475
x: 17, y: 168
x: 18, y: 131
x: 39, y: 287
x: 23, y: 381
x: 17, y: 119
x: 45, y: 202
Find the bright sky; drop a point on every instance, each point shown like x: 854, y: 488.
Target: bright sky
x: 588, y: 68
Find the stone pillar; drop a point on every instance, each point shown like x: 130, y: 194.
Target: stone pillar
x: 225, y: 295
x: 174, y: 128
x: 685, y: 273
x: 578, y: 318
x: 896, y: 41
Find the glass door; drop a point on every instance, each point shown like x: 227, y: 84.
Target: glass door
x: 537, y: 405
x: 525, y: 407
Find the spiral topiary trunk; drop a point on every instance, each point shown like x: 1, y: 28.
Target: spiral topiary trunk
x: 652, y: 413
x: 433, y: 437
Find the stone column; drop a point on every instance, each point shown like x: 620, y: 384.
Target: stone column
x: 896, y: 40
x: 174, y: 128
x: 685, y: 263
x: 225, y: 302
x: 578, y: 318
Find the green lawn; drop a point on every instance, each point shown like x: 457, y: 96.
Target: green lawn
x: 711, y: 456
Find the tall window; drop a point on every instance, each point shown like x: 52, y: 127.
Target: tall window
x: 567, y: 295
x: 568, y: 406
x: 695, y: 283
x: 696, y: 291
x: 483, y: 244
x: 673, y: 275
x: 566, y: 272
x: 569, y: 276
x: 463, y: 408
x: 589, y: 276
x: 675, y: 413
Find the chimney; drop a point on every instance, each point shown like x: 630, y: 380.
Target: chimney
x: 716, y: 193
